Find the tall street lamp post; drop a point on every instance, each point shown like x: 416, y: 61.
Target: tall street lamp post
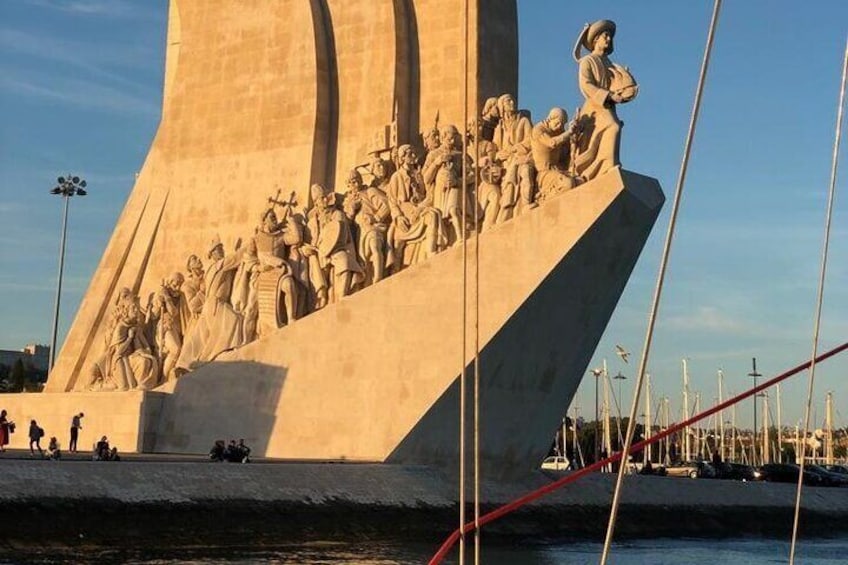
x: 754, y: 374
x: 620, y: 377
x: 68, y: 186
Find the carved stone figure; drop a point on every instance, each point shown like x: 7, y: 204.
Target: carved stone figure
x: 443, y: 177
x: 128, y: 361
x: 512, y: 136
x: 368, y: 208
x: 380, y: 173
x: 219, y: 326
x: 332, y: 238
x: 194, y: 290
x: 416, y: 230
x: 489, y: 193
x: 432, y: 140
x: 168, y: 315
x: 277, y: 296
x: 303, y: 260
x: 605, y: 85
x: 551, y: 151
x: 489, y: 118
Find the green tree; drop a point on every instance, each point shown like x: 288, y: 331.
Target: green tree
x: 18, y: 376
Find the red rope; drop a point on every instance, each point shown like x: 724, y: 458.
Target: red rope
x: 549, y: 488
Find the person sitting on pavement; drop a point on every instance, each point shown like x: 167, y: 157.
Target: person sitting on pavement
x: 243, y: 451
x: 217, y: 452
x: 231, y: 454
x: 53, y: 449
x: 101, y: 450
x: 113, y: 455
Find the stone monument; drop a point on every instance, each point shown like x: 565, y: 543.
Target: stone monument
x: 328, y: 324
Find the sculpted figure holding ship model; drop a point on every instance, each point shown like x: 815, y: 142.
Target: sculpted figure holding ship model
x: 605, y: 85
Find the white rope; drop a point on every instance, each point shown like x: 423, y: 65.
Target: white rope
x: 819, y: 300
x: 628, y: 440
x: 478, y: 231
x: 462, y: 384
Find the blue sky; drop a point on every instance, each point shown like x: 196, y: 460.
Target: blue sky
x: 80, y: 91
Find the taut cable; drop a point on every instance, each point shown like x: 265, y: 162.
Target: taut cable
x: 819, y: 300
x: 643, y: 362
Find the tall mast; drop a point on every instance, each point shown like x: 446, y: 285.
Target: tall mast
x: 779, y: 428
x: 766, y: 457
x: 733, y: 431
x: 722, y: 452
x: 828, y: 424
x: 648, y: 419
x: 699, y: 439
x: 607, y: 431
x: 687, y: 448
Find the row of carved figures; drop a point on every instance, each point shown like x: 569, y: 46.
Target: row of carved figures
x: 300, y: 259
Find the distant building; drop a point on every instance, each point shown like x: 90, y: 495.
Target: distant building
x: 33, y: 356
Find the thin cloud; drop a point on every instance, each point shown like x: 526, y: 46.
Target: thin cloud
x: 706, y: 318
x: 82, y: 94
x: 98, y: 8
x: 80, y: 55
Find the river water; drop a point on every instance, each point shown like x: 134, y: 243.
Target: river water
x: 644, y: 552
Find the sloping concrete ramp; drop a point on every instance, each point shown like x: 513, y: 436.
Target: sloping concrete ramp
x: 375, y: 376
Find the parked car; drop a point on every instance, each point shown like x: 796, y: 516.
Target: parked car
x: 841, y: 469
x: 556, y: 463
x: 828, y: 478
x: 691, y: 469
x: 737, y: 472
x: 787, y: 473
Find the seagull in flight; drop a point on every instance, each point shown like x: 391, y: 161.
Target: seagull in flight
x: 623, y: 353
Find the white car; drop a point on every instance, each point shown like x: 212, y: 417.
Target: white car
x: 556, y: 463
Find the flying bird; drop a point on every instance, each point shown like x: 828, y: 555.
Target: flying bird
x: 623, y: 353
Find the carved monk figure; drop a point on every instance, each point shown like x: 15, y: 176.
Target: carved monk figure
x: 443, y: 177
x: 219, y: 326
x: 605, y: 85
x: 368, y: 208
x: 551, y: 147
x: 332, y: 238
x: 512, y: 136
x: 128, y: 361
x: 416, y: 230
x: 169, y: 314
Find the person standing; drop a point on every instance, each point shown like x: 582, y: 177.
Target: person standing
x: 5, y: 430
x: 76, y: 426
x: 35, y: 435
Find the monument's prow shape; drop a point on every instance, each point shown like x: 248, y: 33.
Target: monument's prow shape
x: 375, y: 376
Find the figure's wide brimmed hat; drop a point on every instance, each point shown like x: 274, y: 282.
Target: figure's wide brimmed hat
x: 590, y: 32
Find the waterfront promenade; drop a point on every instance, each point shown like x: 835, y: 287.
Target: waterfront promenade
x: 179, y: 501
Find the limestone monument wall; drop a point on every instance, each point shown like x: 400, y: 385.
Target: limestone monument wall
x: 279, y: 94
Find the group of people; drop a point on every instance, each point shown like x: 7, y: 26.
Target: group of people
x: 397, y: 210
x: 102, y: 451
x: 232, y: 453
